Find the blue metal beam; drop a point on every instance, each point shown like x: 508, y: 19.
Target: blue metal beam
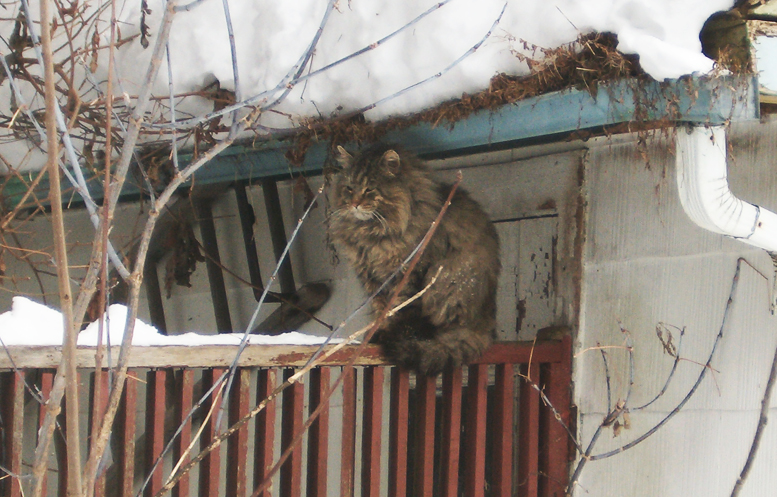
x: 700, y: 100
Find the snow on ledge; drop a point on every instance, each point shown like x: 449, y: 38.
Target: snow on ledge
x: 30, y: 323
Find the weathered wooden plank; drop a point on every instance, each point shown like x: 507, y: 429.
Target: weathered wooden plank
x: 424, y: 436
x: 155, y: 427
x: 13, y: 424
x: 237, y: 444
x: 451, y: 431
x: 265, y: 428
x: 475, y: 442
x: 207, y: 356
x: 183, y: 399
x: 371, y: 430
x: 528, y: 433
x: 125, y: 427
x: 210, y: 467
x: 348, y: 438
x: 318, y: 434
x: 97, y: 407
x: 398, y: 425
x: 504, y: 395
x: 556, y: 379
x: 46, y: 382
x: 291, y: 470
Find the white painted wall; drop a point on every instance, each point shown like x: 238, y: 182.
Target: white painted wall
x: 644, y: 262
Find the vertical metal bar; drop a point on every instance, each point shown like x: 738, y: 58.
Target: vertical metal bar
x: 125, y: 429
x: 554, y: 459
x: 13, y: 429
x: 475, y: 446
x: 265, y: 428
x: 424, y: 466
x: 371, y: 431
x: 237, y: 445
x: 210, y: 466
x: 46, y: 383
x: 156, y: 308
x: 184, y: 399
x: 218, y: 290
x: 451, y: 431
x: 291, y: 470
x: 318, y: 434
x: 398, y: 421
x: 155, y: 426
x: 504, y: 397
x: 348, y: 455
x: 247, y: 220
x: 278, y: 233
x: 528, y: 433
x: 100, y: 381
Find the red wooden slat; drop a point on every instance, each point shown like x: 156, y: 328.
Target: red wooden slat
x: 13, y: 429
x: 184, y: 398
x: 125, y: 430
x: 265, y: 428
x: 97, y: 406
x: 555, y: 458
x: 155, y: 426
x: 451, y: 431
x: 424, y: 457
x: 398, y: 420
x: 348, y: 438
x: 318, y: 434
x: 504, y: 395
x: 210, y: 466
x: 291, y: 470
x: 237, y: 445
x: 371, y: 431
x: 528, y: 433
x: 475, y: 446
x: 46, y: 382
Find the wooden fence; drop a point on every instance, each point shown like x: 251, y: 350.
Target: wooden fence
x: 481, y: 430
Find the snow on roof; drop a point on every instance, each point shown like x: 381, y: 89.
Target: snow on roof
x: 270, y: 38
x: 31, y: 323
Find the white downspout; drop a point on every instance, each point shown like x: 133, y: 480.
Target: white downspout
x: 703, y: 187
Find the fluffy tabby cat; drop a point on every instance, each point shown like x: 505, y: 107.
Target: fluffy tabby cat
x: 383, y: 203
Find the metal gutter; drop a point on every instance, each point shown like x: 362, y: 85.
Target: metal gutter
x: 696, y: 100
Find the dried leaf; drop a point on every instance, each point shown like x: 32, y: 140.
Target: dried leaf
x: 95, y: 48
x: 616, y: 429
x: 183, y: 261
x: 301, y: 186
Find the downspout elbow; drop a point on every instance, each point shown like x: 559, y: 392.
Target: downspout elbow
x: 702, y: 183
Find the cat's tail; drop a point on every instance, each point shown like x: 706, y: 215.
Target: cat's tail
x: 429, y: 356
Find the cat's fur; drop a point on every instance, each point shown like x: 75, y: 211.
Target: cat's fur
x: 383, y: 203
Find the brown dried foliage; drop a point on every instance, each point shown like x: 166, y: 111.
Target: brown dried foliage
x: 584, y: 64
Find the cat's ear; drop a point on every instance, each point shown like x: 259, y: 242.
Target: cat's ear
x: 390, y: 161
x: 343, y: 157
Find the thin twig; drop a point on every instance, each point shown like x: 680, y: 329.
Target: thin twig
x: 763, y: 418
x: 65, y: 378
x: 588, y: 457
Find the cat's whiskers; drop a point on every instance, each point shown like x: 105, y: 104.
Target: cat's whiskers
x: 383, y: 222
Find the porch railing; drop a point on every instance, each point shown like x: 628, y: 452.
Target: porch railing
x: 481, y: 430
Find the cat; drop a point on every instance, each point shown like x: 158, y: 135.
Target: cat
x: 383, y: 202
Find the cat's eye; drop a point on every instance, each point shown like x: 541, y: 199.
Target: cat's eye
x: 348, y: 189
x: 368, y: 191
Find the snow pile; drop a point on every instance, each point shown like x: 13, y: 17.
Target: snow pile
x: 30, y: 323
x: 271, y: 37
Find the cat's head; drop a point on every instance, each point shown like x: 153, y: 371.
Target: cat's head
x: 371, y: 186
